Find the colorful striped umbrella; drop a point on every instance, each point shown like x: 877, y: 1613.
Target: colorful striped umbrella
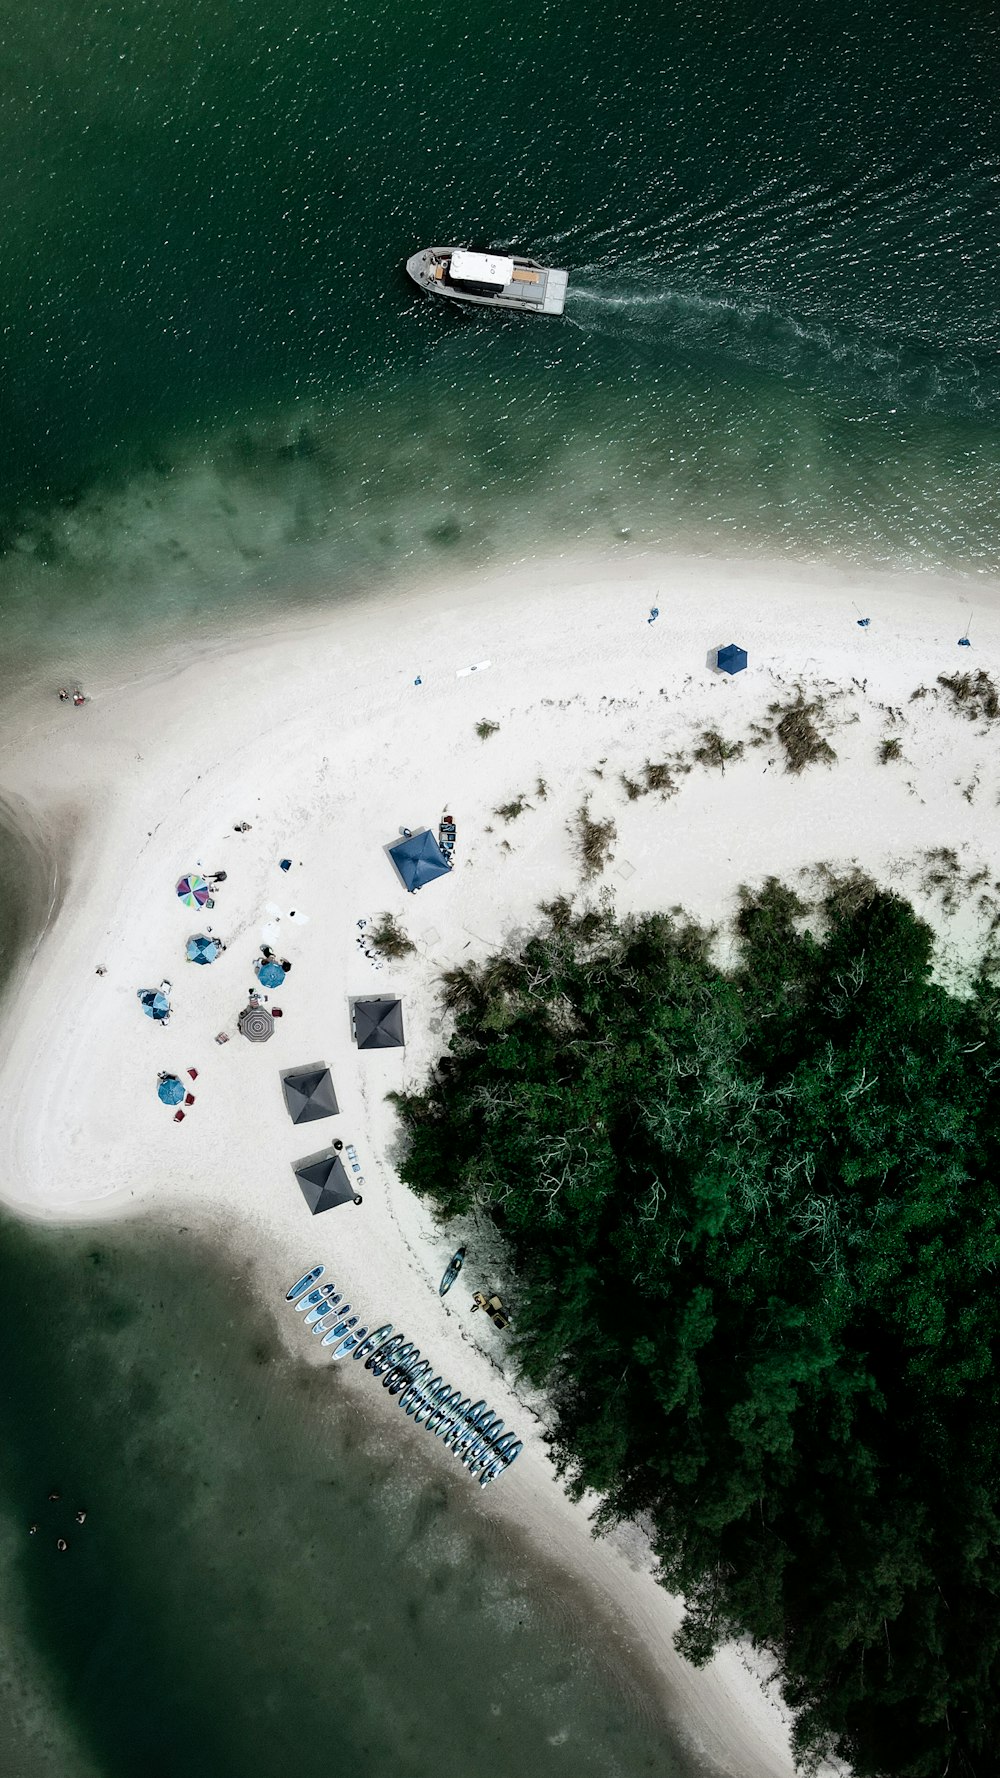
x: 202, y: 949
x: 194, y: 891
x: 170, y: 1090
x: 270, y: 975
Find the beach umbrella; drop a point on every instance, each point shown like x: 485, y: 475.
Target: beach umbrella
x: 256, y: 1023
x: 378, y: 1024
x: 194, y: 891
x: 323, y: 1181
x: 154, y: 1004
x: 309, y: 1094
x: 170, y: 1090
x: 202, y: 949
x: 731, y: 659
x: 419, y: 859
x: 270, y: 975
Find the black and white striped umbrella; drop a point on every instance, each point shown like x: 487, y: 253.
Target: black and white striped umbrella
x: 256, y: 1023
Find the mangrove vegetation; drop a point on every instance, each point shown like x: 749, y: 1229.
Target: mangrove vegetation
x: 751, y: 1224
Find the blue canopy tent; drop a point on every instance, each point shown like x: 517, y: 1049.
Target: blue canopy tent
x: 419, y: 859
x: 170, y: 1090
x: 154, y: 1004
x: 731, y: 659
x: 202, y: 949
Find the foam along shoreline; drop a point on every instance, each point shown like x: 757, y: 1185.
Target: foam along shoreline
x: 318, y: 736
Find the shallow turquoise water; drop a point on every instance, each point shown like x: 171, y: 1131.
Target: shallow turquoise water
x: 219, y: 388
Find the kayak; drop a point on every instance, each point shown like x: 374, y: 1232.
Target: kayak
x: 371, y: 1343
x: 330, y: 1316
x: 346, y: 1345
x: 451, y: 1271
x: 303, y: 1283
x: 329, y: 1298
x: 306, y: 1302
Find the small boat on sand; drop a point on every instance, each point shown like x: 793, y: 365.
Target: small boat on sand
x: 489, y: 280
x: 451, y: 1271
x: 304, y: 1283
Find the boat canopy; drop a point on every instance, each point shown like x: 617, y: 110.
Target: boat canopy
x: 480, y: 268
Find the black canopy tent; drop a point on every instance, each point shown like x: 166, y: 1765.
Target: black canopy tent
x: 378, y: 1024
x: 323, y: 1181
x: 309, y: 1093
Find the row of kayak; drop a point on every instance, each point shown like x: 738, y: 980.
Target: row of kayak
x: 471, y: 1429
x: 326, y: 1313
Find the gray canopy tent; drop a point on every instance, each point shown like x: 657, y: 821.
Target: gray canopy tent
x: 309, y: 1093
x: 324, y: 1181
x: 378, y: 1024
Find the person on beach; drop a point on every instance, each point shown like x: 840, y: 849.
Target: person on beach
x: 78, y: 699
x: 63, y: 695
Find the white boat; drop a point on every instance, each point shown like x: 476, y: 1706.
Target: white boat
x: 489, y: 280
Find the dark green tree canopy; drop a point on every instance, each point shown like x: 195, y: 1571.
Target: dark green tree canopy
x: 753, y: 1229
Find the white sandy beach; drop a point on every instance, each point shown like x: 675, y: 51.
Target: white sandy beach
x: 317, y: 735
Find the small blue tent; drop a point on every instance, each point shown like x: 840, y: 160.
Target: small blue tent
x: 731, y: 659
x: 419, y: 859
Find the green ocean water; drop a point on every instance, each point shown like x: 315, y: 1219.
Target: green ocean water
x: 218, y: 390
x: 219, y: 397
x: 262, y: 1580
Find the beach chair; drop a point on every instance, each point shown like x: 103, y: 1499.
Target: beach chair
x: 178, y: 1117
x: 189, y: 1098
x: 222, y: 1037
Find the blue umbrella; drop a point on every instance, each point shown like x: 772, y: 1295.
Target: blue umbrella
x: 202, y: 949
x: 154, y: 1004
x: 170, y: 1090
x: 270, y: 975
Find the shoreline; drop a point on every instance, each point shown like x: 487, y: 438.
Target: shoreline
x: 314, y: 732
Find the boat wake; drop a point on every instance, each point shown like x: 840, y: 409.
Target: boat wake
x: 860, y: 360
